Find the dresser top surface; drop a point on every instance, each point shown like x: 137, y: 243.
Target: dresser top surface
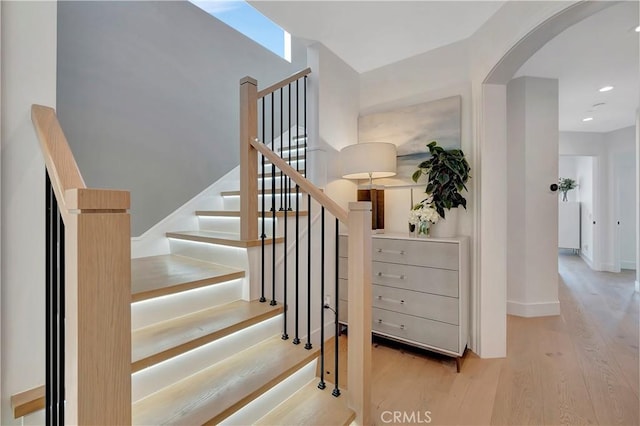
x: 405, y: 236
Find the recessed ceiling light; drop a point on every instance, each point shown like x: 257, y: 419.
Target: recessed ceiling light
x: 638, y: 29
x: 606, y: 88
x: 587, y: 119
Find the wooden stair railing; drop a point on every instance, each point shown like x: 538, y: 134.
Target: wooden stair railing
x: 97, y: 367
x: 357, y: 219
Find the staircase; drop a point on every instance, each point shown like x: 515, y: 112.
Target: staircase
x: 224, y: 360
x: 189, y: 337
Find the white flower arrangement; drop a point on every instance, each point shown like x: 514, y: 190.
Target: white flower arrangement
x: 423, y: 212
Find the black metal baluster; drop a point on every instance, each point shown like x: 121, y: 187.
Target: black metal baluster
x: 48, y: 310
x: 54, y: 321
x: 336, y: 390
x: 296, y: 339
x: 306, y: 130
x: 273, y: 210
x: 281, y: 152
x: 263, y: 236
x: 308, y: 344
x: 289, y: 132
x: 322, y: 384
x: 285, y: 335
x: 61, y: 318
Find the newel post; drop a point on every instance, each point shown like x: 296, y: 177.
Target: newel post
x: 98, y: 307
x: 248, y: 159
x: 359, y: 317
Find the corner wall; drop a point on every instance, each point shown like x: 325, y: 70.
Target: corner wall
x: 148, y: 95
x: 28, y: 77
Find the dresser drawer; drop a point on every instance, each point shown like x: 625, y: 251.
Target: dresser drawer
x: 425, y: 305
x: 419, y: 253
x: 431, y: 333
x: 417, y: 278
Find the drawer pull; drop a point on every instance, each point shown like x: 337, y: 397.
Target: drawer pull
x: 400, y: 252
x: 401, y: 326
x: 391, y: 300
x: 397, y: 277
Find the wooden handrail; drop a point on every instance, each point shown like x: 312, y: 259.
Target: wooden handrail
x: 62, y: 167
x: 305, y: 185
x: 264, y: 92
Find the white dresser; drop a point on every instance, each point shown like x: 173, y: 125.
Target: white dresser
x: 420, y: 291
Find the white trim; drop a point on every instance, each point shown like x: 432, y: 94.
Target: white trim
x: 627, y: 264
x: 637, y: 286
x: 529, y: 310
x: 608, y: 267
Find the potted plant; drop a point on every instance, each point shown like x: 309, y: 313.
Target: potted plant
x: 565, y: 185
x: 447, y: 173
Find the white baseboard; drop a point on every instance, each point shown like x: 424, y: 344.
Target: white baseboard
x: 628, y: 264
x: 528, y: 310
x: 586, y: 259
x: 607, y: 267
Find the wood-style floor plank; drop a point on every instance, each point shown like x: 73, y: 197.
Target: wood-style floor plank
x: 164, y: 340
x: 311, y: 406
x: 167, y: 274
x: 215, y: 393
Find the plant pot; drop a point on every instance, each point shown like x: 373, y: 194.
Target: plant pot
x: 446, y: 228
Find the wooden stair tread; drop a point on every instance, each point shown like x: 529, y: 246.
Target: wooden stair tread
x: 311, y: 406
x: 235, y: 213
x: 260, y: 192
x: 221, y: 238
x: 213, y: 394
x: 167, y: 274
x: 161, y: 341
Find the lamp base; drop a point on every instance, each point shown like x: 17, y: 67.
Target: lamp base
x: 376, y: 196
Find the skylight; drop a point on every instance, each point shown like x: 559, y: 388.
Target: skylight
x: 242, y: 17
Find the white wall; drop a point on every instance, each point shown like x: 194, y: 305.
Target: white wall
x: 336, y: 86
x: 621, y: 153
x: 532, y: 208
x: 148, y: 95
x: 28, y: 76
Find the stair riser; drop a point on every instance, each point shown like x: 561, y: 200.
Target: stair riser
x: 163, y: 308
x: 225, y: 255
x: 152, y: 379
x: 259, y: 407
x: 232, y: 224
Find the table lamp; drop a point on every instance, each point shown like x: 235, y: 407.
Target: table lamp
x: 370, y: 160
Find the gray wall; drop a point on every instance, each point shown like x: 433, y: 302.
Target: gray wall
x: 148, y: 97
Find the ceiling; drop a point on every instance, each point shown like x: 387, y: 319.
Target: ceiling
x: 598, y: 51
x: 371, y: 34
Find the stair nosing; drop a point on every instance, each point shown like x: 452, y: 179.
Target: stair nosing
x: 212, y: 336
x: 180, y: 235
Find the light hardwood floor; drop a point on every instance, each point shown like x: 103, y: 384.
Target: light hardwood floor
x: 577, y: 368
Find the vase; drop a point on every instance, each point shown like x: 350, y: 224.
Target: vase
x: 564, y: 196
x: 446, y: 228
x: 423, y: 229
x: 412, y: 230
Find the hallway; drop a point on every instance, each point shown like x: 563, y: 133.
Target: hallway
x: 577, y: 368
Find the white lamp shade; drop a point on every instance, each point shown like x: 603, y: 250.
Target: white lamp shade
x: 368, y: 160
